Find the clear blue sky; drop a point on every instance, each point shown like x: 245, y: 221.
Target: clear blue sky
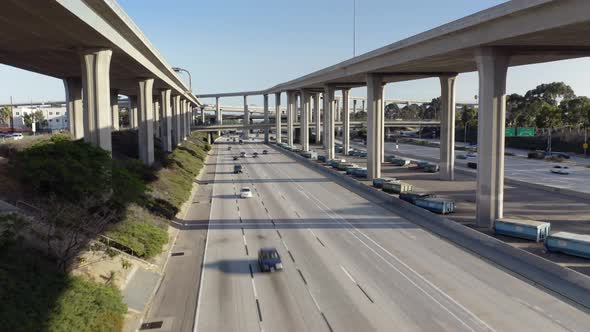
x: 234, y: 45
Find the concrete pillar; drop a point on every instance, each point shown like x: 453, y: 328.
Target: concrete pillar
x: 166, y: 121
x: 246, y: 117
x: 187, y: 122
x: 176, y: 131
x: 318, y: 121
x: 329, y: 110
x: 115, y: 109
x: 156, y: 116
x: 203, y: 118
x: 364, y: 108
x: 218, y: 115
x: 325, y: 121
x: 96, y: 89
x: 492, y: 66
x: 266, y: 119
x: 354, y: 106
x: 447, y: 127
x: 278, y: 118
x: 73, y: 87
x: 145, y: 133
x: 133, y: 112
x: 305, y: 115
x: 374, y: 125
x: 291, y: 98
x: 345, y: 121
x: 184, y: 107
x: 181, y: 118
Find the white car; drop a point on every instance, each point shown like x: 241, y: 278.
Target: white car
x: 564, y: 170
x: 245, y: 192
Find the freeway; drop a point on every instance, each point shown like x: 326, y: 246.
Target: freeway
x: 349, y: 264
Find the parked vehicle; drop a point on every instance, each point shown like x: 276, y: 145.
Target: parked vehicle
x: 412, y: 196
x: 378, y: 183
x: 400, y: 162
x: 236, y: 157
x: 264, y: 151
x: 241, y: 142
x: 344, y: 166
x: 569, y: 243
x: 436, y: 205
x: 237, y: 169
x: 310, y: 155
x: 243, y: 154
x: 472, y: 164
x: 461, y: 156
x: 360, y: 172
x: 351, y: 170
x: 431, y: 168
x: 421, y: 164
x: 563, y: 170
x: 522, y: 228
x: 396, y: 187
x: 229, y: 148
x: 245, y: 192
x: 536, y: 155
x: 255, y: 155
x: 558, y: 154
x: 269, y: 260
x: 322, y: 158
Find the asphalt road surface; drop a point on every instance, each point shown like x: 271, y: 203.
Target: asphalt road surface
x: 349, y: 264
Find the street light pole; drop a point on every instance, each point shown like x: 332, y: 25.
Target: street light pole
x: 190, y: 83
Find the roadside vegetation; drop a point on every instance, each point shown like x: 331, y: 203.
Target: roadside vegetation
x: 81, y: 194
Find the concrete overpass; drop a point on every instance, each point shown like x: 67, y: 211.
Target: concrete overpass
x: 352, y: 124
x: 99, y: 53
x: 514, y: 33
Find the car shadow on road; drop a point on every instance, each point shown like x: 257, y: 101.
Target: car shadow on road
x: 234, y: 266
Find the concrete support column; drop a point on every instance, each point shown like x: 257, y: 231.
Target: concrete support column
x: 266, y: 119
x: 176, y: 131
x: 115, y: 109
x: 325, y: 121
x: 492, y: 66
x: 318, y: 121
x: 203, y: 119
x: 354, y: 106
x: 156, y: 116
x: 96, y: 89
x: 166, y: 121
x: 305, y: 115
x: 364, y: 108
x: 133, y: 112
x: 145, y: 133
x: 278, y: 118
x: 374, y: 125
x: 329, y: 110
x: 183, y: 108
x: 73, y: 87
x: 345, y: 121
x: 218, y: 115
x: 187, y: 123
x: 246, y: 117
x: 447, y: 127
x: 291, y: 103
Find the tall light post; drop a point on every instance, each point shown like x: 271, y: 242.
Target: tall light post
x: 190, y: 83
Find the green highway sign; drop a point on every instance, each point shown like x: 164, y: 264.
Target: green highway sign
x: 529, y: 132
x: 510, y: 132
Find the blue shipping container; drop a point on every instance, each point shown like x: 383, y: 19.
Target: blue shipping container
x: 569, y: 243
x: 522, y: 228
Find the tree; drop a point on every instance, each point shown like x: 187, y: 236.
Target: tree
x: 548, y: 115
x: 431, y: 110
x: 576, y: 112
x: 551, y: 93
x: 392, y: 111
x: 36, y: 116
x: 5, y: 116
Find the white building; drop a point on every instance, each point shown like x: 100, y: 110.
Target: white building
x: 56, y: 117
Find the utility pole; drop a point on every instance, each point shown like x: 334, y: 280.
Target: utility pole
x: 353, y: 28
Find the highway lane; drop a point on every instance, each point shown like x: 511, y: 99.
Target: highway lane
x: 355, y: 265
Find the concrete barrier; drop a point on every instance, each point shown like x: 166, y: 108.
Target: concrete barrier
x: 539, y: 271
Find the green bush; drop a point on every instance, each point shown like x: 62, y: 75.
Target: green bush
x: 68, y: 169
x: 144, y: 233
x: 37, y: 297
